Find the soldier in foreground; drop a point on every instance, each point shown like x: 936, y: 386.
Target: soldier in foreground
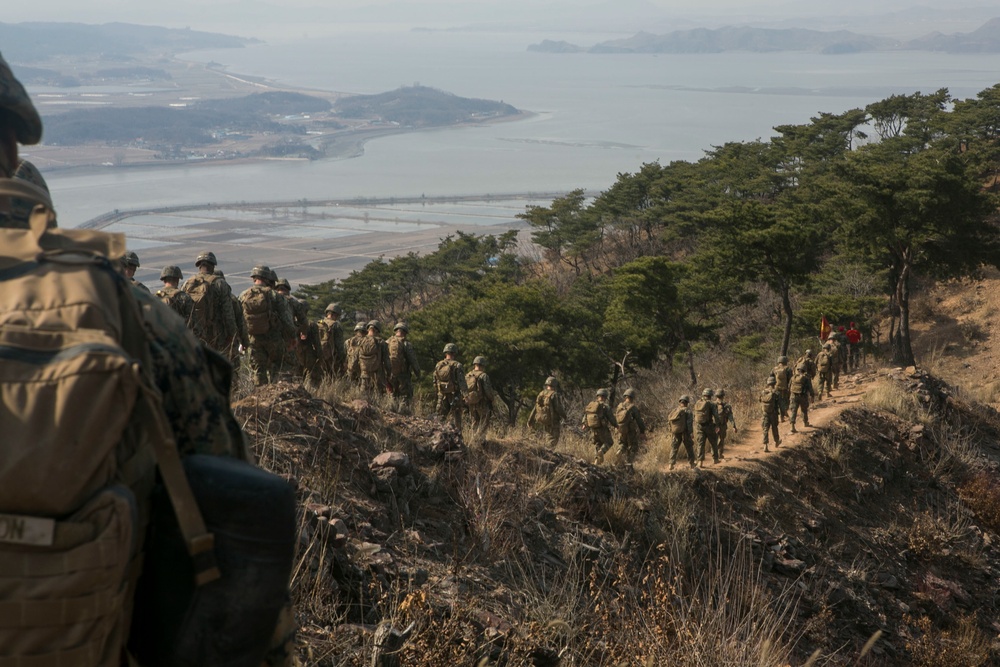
x: 706, y: 426
x: 449, y: 380
x: 631, y: 428
x: 479, y: 397
x: 598, y: 419
x: 373, y: 361
x: 268, y: 325
x: 186, y: 393
x: 403, y: 366
x: 681, y: 431
x: 549, y: 411
x: 770, y: 402
x: 173, y: 296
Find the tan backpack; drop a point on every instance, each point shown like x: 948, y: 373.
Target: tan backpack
x: 82, y: 426
x: 444, y: 378
x: 703, y: 411
x: 780, y: 374
x: 257, y: 305
x: 397, y: 356
x: 594, y: 415
x: 368, y: 356
x: 473, y: 388
x: 543, y: 407
x: 199, y: 288
x: 678, y: 421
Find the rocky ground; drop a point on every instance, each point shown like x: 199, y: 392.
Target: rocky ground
x: 870, y: 539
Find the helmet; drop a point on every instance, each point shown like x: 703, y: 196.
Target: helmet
x: 603, y: 392
x: 550, y: 381
x: 479, y: 361
x: 15, y: 101
x: 130, y: 259
x: 283, y: 284
x: 629, y: 393
x: 219, y: 273
x: 451, y: 348
x: 374, y: 324
x: 684, y: 399
x: 20, y: 208
x: 827, y: 346
x: 707, y: 393
x: 207, y: 256
x: 261, y: 271
x: 720, y: 393
x: 272, y: 277
x: 401, y: 326
x: 771, y: 380
x: 809, y: 353
x: 801, y: 368
x: 171, y: 272
x: 360, y: 326
x: 782, y: 359
x: 334, y: 308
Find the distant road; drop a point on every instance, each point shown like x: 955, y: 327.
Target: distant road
x: 117, y: 215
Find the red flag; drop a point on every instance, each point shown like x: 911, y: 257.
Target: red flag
x: 824, y: 329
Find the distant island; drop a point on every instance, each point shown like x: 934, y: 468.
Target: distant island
x: 986, y: 39
x: 118, y: 96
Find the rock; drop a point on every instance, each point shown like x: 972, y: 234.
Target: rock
x: 789, y: 566
x: 318, y: 510
x: 397, y: 460
x: 886, y: 581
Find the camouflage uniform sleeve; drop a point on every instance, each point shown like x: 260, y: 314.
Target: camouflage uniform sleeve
x: 223, y: 292
x: 459, y: 372
x: 638, y: 419
x: 411, y: 358
x: 284, y: 311
x: 195, y: 383
x: 488, y: 390
x: 558, y: 407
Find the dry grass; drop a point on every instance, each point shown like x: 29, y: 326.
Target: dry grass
x: 962, y: 645
x: 893, y: 398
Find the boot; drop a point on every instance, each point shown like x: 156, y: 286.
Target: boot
x: 765, y: 447
x: 777, y: 443
x: 793, y: 428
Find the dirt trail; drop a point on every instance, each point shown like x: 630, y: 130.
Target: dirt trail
x: 746, y: 445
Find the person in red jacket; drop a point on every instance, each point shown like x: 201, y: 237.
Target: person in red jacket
x: 853, y: 348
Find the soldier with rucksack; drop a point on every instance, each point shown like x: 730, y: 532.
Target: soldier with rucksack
x: 176, y: 298
x: 268, y: 327
x: 403, y: 366
x: 726, y: 417
x: 706, y: 426
x: 298, y: 310
x: 599, y: 420
x: 824, y: 369
x: 770, y: 403
x: 631, y: 427
x: 449, y: 380
x: 801, y: 390
x: 110, y: 389
x: 353, y: 348
x: 373, y: 361
x: 331, y: 340
x: 213, y: 311
x: 782, y: 375
x: 479, y: 398
x: 549, y: 411
x: 681, y: 431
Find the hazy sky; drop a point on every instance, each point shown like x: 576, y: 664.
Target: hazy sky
x: 250, y: 17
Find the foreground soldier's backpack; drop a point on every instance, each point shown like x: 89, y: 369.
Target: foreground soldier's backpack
x: 444, y: 378
x: 83, y: 435
x: 703, y: 411
x: 543, y: 407
x: 257, y: 304
x: 799, y: 382
x: 82, y: 426
x: 780, y: 374
x: 473, y: 388
x: 768, y: 405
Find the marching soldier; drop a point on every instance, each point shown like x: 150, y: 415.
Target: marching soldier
x: 725, y: 419
x: 782, y: 375
x: 770, y: 402
x: 706, y: 426
x: 479, y: 397
x: 597, y: 418
x: 631, y: 427
x: 449, y: 379
x: 353, y: 347
x: 549, y: 411
x: 173, y: 296
x: 681, y: 429
x: 403, y: 366
x: 801, y: 390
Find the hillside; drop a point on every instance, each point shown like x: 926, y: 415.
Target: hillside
x: 870, y: 540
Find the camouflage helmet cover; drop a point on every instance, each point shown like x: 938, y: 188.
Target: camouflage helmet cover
x: 130, y: 259
x: 171, y: 272
x: 206, y: 256
x: 479, y: 361
x: 550, y: 381
x: 272, y: 276
x: 684, y: 399
x: 334, y: 308
x: 603, y: 392
x: 261, y: 271
x: 401, y: 326
x: 809, y: 353
x: 720, y: 393
x: 20, y: 207
x: 360, y: 326
x: 374, y: 324
x: 629, y: 393
x: 707, y: 392
x: 451, y: 348
x: 782, y: 359
x: 283, y: 284
x: 15, y: 101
